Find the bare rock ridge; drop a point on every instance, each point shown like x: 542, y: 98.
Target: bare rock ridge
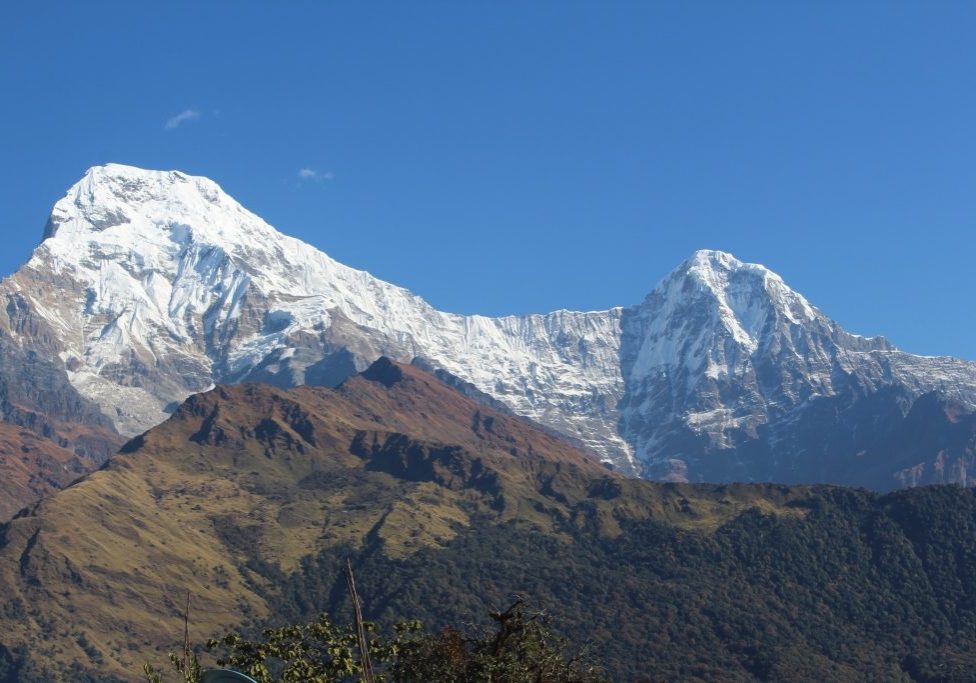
x: 150, y: 286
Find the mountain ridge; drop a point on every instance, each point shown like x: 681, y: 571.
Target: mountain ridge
x: 154, y: 285
x: 153, y: 248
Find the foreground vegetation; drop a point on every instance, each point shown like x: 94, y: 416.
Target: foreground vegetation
x: 521, y: 649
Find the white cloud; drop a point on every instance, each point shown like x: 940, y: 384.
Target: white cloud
x: 312, y: 174
x: 181, y: 118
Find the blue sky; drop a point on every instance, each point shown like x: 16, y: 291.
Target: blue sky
x: 509, y: 157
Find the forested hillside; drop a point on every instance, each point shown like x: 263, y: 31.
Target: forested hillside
x: 854, y: 586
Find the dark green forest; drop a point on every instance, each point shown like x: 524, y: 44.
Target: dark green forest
x: 861, y: 586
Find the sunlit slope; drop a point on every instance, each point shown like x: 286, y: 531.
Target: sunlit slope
x: 246, y: 474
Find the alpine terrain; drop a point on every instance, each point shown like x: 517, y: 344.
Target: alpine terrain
x: 151, y: 286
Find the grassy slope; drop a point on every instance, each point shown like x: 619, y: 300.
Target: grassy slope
x: 245, y: 485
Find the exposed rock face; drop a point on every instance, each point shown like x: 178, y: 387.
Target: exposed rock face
x: 34, y: 389
x: 151, y: 286
x: 49, y: 433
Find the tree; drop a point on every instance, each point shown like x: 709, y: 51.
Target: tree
x: 520, y: 649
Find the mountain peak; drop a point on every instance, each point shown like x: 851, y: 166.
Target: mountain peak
x: 167, y: 286
x: 716, y: 290
x: 116, y: 170
x: 713, y: 259
x: 126, y: 181
x: 714, y: 269
x: 126, y: 198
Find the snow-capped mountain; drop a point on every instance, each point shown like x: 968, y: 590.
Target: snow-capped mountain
x: 159, y: 285
x: 732, y: 376
x: 150, y: 286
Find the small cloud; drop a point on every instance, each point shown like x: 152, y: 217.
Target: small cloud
x: 312, y: 174
x: 181, y: 118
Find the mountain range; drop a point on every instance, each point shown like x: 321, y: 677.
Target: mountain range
x: 151, y: 286
x: 250, y: 498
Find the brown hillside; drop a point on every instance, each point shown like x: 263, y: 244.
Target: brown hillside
x: 97, y: 573
x: 32, y: 468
